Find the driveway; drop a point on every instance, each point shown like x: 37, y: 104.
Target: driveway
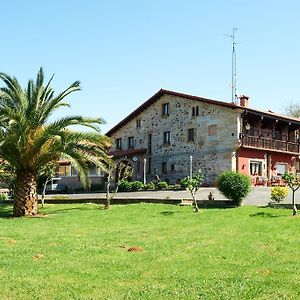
x: 259, y: 196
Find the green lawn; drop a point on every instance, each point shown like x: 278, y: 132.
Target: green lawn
x: 81, y: 252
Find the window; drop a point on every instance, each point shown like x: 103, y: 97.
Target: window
x: 138, y: 123
x: 131, y: 142
x: 119, y: 144
x: 92, y: 170
x: 280, y: 169
x: 256, y: 168
x: 172, y: 168
x: 138, y: 167
x: 164, y: 168
x: 167, y: 137
x: 191, y: 134
x: 212, y: 130
x: 195, y: 111
x: 64, y: 170
x: 74, y: 171
x: 165, y: 109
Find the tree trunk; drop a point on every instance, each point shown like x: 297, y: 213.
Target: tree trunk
x: 294, y: 205
x: 195, y: 204
x: 25, y: 196
x: 107, y: 196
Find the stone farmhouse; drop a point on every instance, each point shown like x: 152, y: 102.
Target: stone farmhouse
x: 161, y: 137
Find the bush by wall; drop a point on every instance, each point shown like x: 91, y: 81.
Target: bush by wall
x: 234, y: 186
x: 162, y: 185
x: 279, y: 193
x: 136, y: 186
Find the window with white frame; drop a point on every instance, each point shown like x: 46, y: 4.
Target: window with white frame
x: 255, y: 168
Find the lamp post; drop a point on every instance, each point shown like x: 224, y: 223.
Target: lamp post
x: 191, y: 166
x: 145, y: 161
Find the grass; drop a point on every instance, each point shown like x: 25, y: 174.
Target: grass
x: 81, y: 252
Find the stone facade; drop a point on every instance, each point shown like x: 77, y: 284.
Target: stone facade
x: 208, y: 132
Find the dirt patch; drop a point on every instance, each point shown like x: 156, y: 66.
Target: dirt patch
x: 38, y: 256
x: 135, y: 249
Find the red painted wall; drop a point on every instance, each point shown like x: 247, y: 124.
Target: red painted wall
x: 244, y: 155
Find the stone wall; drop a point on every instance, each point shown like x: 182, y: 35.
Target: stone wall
x: 212, y: 154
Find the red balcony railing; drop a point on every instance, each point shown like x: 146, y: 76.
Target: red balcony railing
x: 269, y: 144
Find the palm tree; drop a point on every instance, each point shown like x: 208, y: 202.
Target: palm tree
x: 29, y: 140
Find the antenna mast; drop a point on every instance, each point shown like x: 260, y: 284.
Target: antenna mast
x: 233, y: 67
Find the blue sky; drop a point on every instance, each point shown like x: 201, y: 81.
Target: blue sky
x: 125, y: 51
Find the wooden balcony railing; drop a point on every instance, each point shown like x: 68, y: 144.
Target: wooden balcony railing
x: 269, y: 144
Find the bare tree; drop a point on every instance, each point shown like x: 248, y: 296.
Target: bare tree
x: 121, y: 172
x: 193, y: 184
x: 293, y: 110
x: 293, y: 182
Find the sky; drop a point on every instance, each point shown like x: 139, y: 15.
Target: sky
x: 125, y: 51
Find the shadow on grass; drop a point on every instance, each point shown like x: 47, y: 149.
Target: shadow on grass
x: 167, y: 213
x: 65, y: 210
x: 5, y: 212
x: 264, y: 214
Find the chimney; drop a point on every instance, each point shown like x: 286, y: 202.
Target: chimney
x: 244, y: 101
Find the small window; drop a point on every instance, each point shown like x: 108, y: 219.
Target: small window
x: 164, y: 168
x: 167, y: 138
x: 119, y: 144
x: 138, y: 123
x: 172, y: 168
x: 212, y: 130
x: 131, y: 142
x: 165, y: 109
x: 255, y: 168
x: 195, y: 111
x: 191, y: 134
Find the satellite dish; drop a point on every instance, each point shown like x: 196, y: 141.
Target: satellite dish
x: 134, y: 158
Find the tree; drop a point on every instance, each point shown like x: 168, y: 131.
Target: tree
x: 47, y: 172
x: 293, y: 110
x: 122, y: 171
x: 193, y: 184
x: 293, y: 182
x: 29, y: 140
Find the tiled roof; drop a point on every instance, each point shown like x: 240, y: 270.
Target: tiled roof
x: 162, y: 92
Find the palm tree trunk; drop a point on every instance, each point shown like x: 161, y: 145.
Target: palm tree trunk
x: 25, y: 196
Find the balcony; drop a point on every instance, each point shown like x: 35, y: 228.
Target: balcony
x: 269, y: 144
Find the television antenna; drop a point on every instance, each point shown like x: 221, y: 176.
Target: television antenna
x: 233, y: 67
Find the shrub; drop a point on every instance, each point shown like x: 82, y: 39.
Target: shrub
x: 125, y: 186
x: 3, y: 197
x: 149, y: 186
x: 279, y: 193
x: 175, y: 187
x: 136, y: 186
x: 234, y: 186
x: 162, y: 185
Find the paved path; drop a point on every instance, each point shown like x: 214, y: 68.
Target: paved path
x: 259, y: 196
